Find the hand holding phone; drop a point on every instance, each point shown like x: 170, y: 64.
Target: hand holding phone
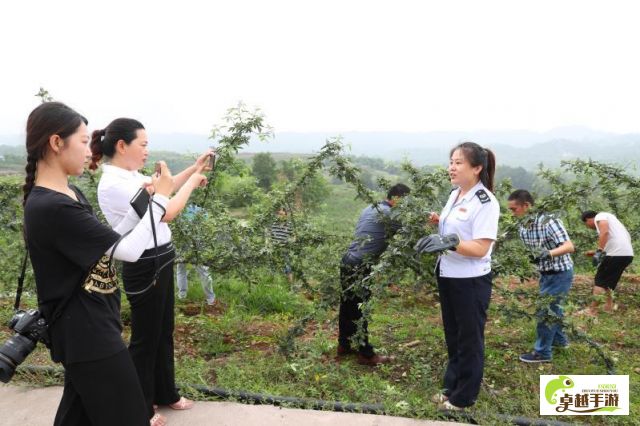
x: 162, y: 180
x: 205, y: 162
x: 212, y: 160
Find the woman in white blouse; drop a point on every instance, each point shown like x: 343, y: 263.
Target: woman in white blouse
x: 464, y: 270
x: 124, y: 143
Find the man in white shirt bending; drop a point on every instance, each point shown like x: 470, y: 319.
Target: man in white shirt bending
x: 613, y: 255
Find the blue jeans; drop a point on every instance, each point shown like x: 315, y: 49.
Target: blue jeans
x: 205, y: 281
x: 287, y: 264
x: 549, y: 330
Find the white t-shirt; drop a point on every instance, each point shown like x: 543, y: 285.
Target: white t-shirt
x: 474, y: 216
x: 619, y: 242
x: 116, y: 189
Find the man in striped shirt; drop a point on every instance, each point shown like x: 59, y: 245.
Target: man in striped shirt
x: 281, y: 234
x: 549, y: 243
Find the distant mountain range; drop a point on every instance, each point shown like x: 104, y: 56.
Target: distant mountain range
x: 513, y: 148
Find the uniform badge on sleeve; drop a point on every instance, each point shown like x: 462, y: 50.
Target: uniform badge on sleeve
x: 483, y: 196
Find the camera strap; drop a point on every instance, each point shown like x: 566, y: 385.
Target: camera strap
x: 155, y: 242
x: 16, y: 305
x: 158, y: 267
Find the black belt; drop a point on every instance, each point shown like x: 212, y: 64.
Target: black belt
x: 551, y: 272
x: 162, y: 250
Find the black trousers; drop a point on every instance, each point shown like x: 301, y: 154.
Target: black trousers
x: 103, y: 392
x: 464, y: 303
x: 352, y: 271
x: 152, y: 324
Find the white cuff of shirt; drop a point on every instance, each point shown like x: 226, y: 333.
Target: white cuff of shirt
x: 133, y: 245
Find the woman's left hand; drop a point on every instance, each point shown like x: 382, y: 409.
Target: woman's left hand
x: 202, y: 163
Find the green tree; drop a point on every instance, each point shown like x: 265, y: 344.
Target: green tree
x: 520, y: 178
x: 44, y: 95
x: 368, y: 179
x: 264, y: 169
x: 315, y: 189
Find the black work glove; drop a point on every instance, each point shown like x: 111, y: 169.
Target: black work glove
x: 539, y: 254
x: 435, y: 243
x: 598, y: 257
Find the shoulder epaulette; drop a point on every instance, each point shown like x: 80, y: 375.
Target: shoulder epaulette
x: 483, y: 196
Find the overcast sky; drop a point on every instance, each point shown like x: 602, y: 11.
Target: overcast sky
x: 327, y: 65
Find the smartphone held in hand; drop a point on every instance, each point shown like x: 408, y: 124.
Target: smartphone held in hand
x: 212, y: 159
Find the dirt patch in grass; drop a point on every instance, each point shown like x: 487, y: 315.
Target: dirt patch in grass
x: 631, y: 278
x: 262, y: 328
x: 313, y: 327
x: 186, y: 342
x: 193, y: 309
x: 583, y: 281
x: 262, y: 346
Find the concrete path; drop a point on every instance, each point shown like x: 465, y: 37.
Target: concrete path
x: 21, y: 406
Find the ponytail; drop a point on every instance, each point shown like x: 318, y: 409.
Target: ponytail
x: 96, y: 148
x: 103, y: 142
x: 479, y: 156
x: 487, y: 176
x: 30, y: 179
x: 46, y: 120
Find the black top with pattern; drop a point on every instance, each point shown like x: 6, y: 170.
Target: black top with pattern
x: 66, y: 245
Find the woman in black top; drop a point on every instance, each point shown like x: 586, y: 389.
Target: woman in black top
x: 69, y: 250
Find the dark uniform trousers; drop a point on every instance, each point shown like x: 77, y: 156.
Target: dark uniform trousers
x: 352, y: 271
x: 464, y: 303
x: 152, y: 324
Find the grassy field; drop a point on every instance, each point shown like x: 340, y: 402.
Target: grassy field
x: 235, y: 344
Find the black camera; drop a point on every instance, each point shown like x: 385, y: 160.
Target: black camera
x: 30, y: 328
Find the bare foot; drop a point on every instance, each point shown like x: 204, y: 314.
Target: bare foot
x: 157, y: 420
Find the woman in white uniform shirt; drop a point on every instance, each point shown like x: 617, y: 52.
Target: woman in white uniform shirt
x: 464, y: 271
x: 124, y: 143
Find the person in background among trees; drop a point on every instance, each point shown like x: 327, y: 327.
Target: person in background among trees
x: 467, y: 229
x: 149, y: 281
x: 612, y: 257
x: 549, y: 243
x: 78, y: 293
x: 281, y: 233
x: 203, y: 271
x: 375, y: 226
